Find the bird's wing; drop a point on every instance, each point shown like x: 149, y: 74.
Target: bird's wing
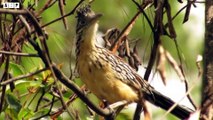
x: 123, y: 71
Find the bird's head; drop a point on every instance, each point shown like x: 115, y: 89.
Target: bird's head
x: 86, y: 18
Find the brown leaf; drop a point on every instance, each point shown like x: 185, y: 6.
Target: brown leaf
x: 175, y: 65
x: 124, y: 33
x: 161, y: 64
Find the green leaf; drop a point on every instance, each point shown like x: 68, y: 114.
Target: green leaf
x: 40, y: 113
x: 25, y: 114
x: 30, y: 63
x: 13, y: 103
x: 2, y: 116
x: 11, y: 114
x: 16, y: 69
x: 22, y: 87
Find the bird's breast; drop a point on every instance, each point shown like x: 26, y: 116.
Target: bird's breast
x: 101, y: 79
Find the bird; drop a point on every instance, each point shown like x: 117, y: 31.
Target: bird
x: 107, y: 75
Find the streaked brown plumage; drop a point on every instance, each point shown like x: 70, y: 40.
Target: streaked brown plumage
x: 107, y: 75
x: 104, y: 73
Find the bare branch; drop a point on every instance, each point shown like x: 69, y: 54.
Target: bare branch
x: 19, y: 54
x: 22, y: 77
x: 11, y: 11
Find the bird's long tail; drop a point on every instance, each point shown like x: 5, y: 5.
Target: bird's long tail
x: 166, y: 103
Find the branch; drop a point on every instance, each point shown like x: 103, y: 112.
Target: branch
x: 166, y: 103
x: 18, y: 54
x: 14, y: 12
x: 68, y: 14
x: 156, y: 97
x: 59, y: 75
x: 207, y: 95
x: 68, y: 83
x: 22, y: 77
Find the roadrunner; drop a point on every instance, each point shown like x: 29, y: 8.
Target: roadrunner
x: 105, y: 74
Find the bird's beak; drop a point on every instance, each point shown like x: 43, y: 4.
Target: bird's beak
x: 95, y: 17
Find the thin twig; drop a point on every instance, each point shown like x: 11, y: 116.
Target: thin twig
x: 68, y: 14
x: 61, y: 8
x: 47, y: 5
x: 40, y: 99
x: 14, y: 12
x: 45, y: 53
x: 155, y: 45
x: 172, y: 107
x: 19, y: 54
x: 4, y: 77
x: 22, y: 77
x: 124, y: 33
x: 156, y: 32
x: 129, y: 26
x: 24, y: 21
x: 71, y: 99
x: 106, y: 113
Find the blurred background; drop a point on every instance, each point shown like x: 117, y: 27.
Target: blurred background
x: 116, y: 14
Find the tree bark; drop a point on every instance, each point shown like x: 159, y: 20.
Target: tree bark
x: 207, y: 98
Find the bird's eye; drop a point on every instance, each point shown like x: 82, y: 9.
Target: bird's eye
x: 82, y: 23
